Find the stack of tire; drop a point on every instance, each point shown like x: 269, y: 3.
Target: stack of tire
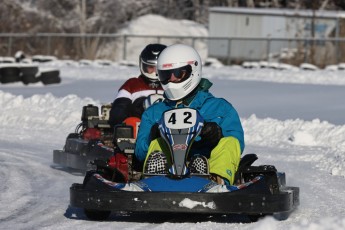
x: 49, y: 76
x: 9, y: 72
x: 28, y: 73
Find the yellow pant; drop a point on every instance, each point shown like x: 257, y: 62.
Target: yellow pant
x: 224, y: 158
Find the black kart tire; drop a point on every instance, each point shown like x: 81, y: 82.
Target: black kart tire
x: 255, y: 217
x: 50, y: 77
x: 27, y: 79
x: 9, y: 74
x: 87, y: 177
x: 29, y: 74
x: 96, y: 214
x: 281, y: 216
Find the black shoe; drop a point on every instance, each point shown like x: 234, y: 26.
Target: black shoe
x: 198, y: 165
x: 156, y: 163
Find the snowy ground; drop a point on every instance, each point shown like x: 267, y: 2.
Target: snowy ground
x: 293, y: 119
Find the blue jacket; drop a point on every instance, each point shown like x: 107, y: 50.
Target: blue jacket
x: 212, y: 109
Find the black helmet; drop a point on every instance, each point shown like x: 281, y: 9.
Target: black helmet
x: 148, y: 58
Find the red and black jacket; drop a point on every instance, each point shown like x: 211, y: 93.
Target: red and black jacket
x: 130, y: 99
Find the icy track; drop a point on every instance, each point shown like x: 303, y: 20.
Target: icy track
x: 34, y: 193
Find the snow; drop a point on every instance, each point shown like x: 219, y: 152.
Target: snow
x: 146, y: 25
x: 293, y: 119
x: 188, y: 203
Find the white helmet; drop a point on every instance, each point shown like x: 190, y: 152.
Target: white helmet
x: 182, y: 61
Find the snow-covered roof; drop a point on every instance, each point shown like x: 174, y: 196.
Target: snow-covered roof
x: 279, y: 12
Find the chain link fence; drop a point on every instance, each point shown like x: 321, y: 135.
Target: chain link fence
x: 116, y: 47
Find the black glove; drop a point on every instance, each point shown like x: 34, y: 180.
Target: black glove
x: 211, y: 133
x: 137, y: 108
x: 154, y: 133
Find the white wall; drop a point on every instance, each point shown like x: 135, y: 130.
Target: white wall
x: 249, y: 25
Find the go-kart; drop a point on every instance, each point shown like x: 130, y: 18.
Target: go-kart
x: 115, y: 185
x: 92, y: 139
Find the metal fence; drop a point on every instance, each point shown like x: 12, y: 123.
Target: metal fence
x: 319, y: 51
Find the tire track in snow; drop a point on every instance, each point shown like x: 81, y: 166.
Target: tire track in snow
x: 16, y: 190
x: 31, y: 189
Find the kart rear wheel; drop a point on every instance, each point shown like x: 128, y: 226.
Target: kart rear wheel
x: 281, y: 216
x: 255, y: 217
x: 96, y: 214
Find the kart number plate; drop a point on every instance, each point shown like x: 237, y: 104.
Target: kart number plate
x: 180, y: 118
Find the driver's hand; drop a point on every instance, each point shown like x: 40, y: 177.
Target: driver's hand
x: 154, y: 133
x: 211, y: 133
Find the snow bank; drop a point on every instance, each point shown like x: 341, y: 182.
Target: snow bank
x: 313, y: 134
x: 39, y: 117
x: 272, y: 132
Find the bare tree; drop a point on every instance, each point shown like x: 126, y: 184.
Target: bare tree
x: 324, y: 4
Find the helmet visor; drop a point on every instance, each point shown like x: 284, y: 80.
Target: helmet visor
x: 148, y: 68
x: 182, y: 73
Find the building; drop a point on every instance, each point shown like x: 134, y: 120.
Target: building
x: 262, y: 34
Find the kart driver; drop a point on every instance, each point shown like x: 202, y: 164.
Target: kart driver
x: 221, y: 139
x: 129, y: 101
